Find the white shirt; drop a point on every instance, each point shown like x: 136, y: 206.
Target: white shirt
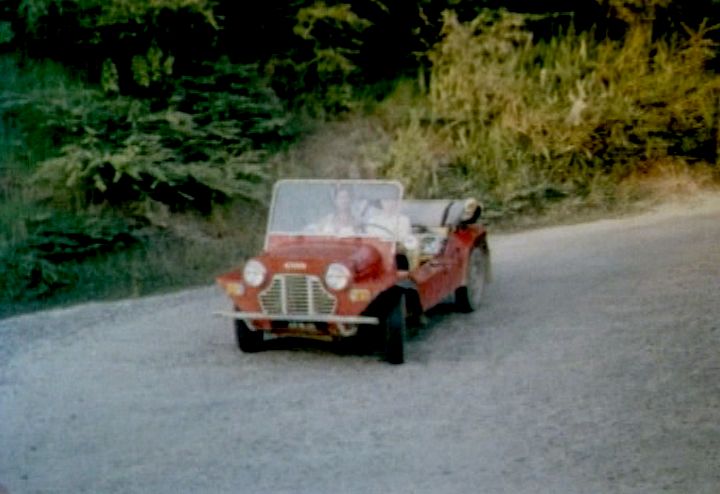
x: 388, y: 225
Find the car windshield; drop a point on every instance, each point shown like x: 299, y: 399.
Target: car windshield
x: 341, y: 208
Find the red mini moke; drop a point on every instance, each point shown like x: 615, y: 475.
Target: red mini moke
x: 343, y: 257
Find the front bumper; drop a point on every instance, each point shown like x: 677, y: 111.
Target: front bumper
x: 333, y: 319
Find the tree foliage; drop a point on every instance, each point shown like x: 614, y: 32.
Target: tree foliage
x: 180, y: 109
x: 330, y: 47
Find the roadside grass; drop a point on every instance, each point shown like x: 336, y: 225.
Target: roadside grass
x: 190, y: 252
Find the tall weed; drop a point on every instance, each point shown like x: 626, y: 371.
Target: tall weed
x: 523, y: 123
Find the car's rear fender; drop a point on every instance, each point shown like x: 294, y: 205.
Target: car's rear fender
x: 482, y: 244
x: 465, y: 240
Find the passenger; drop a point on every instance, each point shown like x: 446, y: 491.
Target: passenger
x: 388, y: 222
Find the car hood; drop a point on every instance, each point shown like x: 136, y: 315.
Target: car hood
x: 363, y: 260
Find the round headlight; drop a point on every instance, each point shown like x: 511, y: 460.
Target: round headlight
x: 337, y: 276
x: 254, y: 273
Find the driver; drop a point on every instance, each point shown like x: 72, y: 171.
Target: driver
x: 341, y: 221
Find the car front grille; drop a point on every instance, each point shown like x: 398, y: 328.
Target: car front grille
x: 296, y: 294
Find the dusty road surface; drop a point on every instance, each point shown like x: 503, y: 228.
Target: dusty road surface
x: 594, y: 367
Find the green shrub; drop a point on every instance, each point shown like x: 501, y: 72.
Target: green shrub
x: 39, y: 263
x: 135, y: 42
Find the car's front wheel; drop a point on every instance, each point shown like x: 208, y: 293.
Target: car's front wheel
x: 395, y: 332
x: 469, y: 297
x: 247, y: 340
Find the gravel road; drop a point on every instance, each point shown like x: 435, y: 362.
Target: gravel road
x: 593, y: 367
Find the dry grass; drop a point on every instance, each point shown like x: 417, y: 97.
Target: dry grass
x: 669, y: 180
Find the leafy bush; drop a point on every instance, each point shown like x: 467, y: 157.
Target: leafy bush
x: 334, y: 33
x: 40, y: 264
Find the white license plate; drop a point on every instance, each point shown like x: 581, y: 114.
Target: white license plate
x: 302, y: 325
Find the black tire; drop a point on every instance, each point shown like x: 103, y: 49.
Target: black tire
x: 469, y: 297
x: 395, y: 332
x: 248, y: 341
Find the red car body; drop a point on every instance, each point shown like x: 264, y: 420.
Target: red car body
x: 390, y: 281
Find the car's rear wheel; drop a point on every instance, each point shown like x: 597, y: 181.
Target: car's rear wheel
x: 247, y: 340
x: 395, y: 332
x: 469, y: 297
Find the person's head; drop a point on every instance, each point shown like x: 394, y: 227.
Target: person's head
x: 342, y: 198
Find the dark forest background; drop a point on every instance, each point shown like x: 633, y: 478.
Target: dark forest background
x: 138, y: 138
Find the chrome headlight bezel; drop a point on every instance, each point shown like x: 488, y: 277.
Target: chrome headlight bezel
x: 337, y: 276
x: 254, y: 273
